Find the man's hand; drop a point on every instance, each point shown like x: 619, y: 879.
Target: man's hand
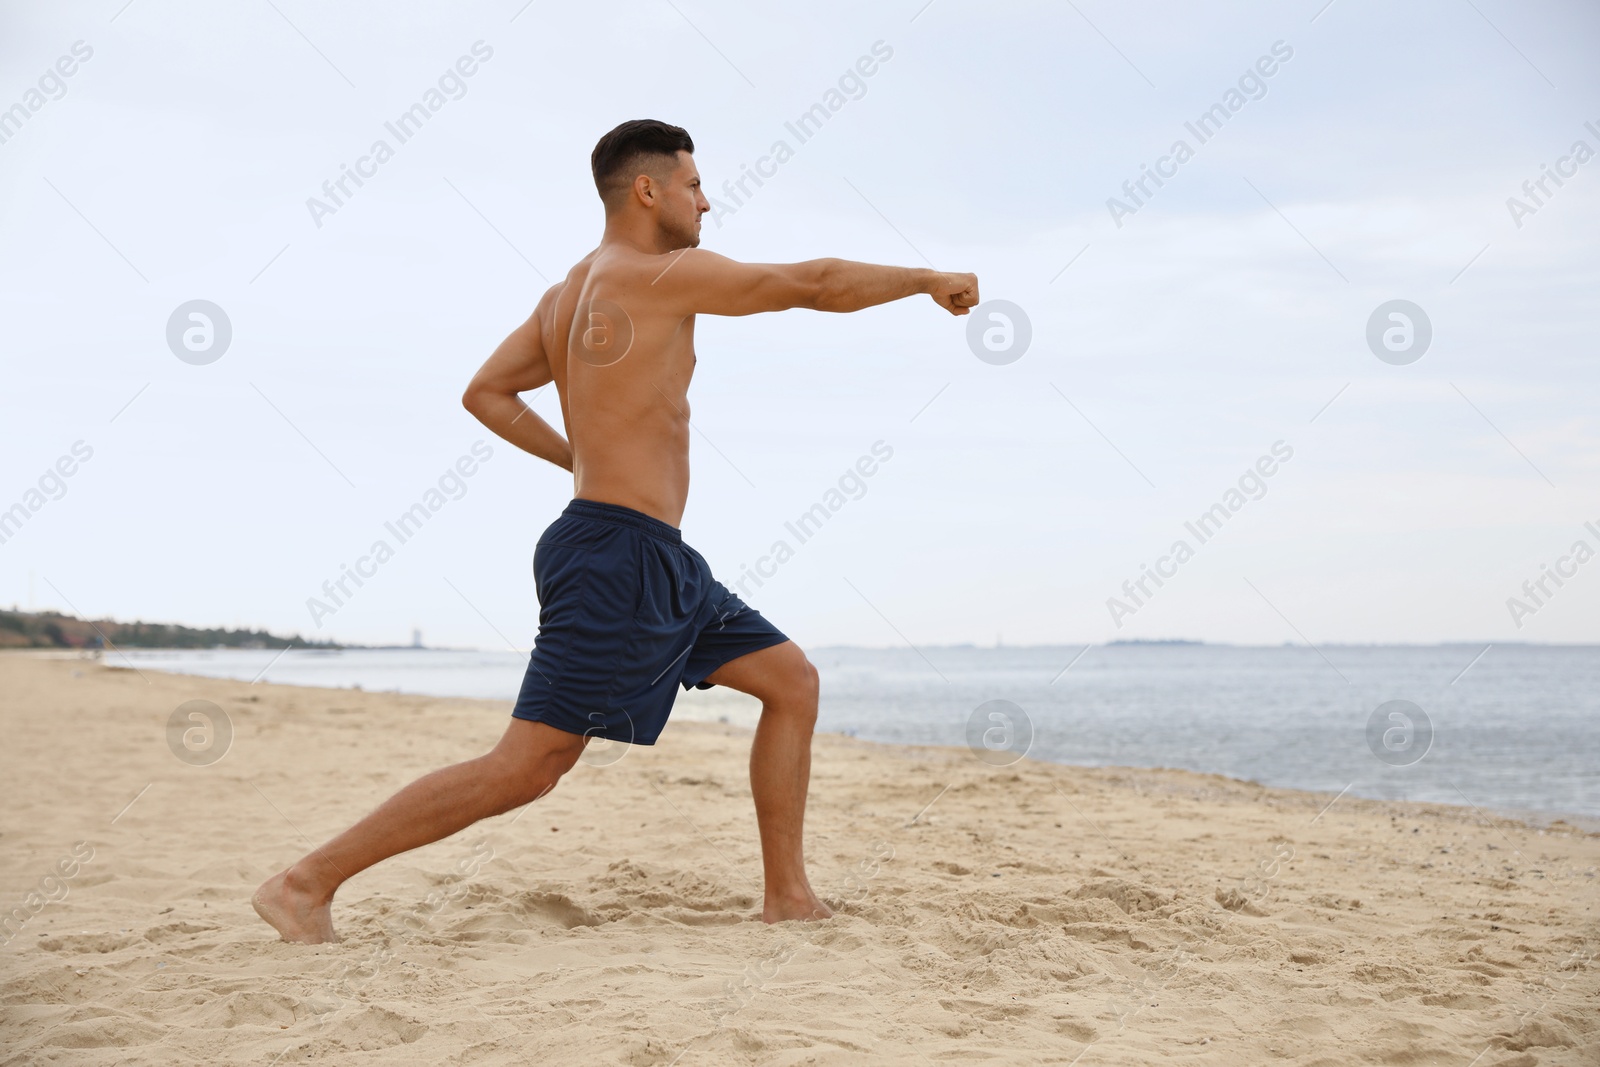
x: 955, y: 292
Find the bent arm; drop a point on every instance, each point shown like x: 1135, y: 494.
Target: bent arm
x: 696, y: 281
x: 518, y: 365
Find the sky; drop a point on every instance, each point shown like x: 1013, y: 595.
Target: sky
x: 1222, y: 343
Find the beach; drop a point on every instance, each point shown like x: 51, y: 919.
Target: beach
x: 1020, y: 913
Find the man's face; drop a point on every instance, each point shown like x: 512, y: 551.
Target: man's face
x: 682, y: 204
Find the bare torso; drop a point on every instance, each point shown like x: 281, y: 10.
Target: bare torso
x: 621, y: 363
x: 616, y: 336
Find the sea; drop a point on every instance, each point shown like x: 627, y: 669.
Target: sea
x: 1510, y: 729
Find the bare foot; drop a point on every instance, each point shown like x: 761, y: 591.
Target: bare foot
x: 804, y: 909
x: 296, y: 915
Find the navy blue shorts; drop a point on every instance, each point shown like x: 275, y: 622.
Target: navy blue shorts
x: 627, y: 612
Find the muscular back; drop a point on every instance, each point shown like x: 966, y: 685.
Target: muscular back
x: 621, y: 358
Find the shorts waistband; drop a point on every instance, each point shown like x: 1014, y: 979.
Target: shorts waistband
x: 624, y: 516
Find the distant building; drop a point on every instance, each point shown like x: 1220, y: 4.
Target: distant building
x: 416, y: 638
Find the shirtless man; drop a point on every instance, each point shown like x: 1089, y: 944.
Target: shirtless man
x: 627, y: 611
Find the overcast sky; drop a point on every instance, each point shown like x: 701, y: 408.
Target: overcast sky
x: 1176, y: 338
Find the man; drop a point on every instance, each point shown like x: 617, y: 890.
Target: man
x: 627, y: 611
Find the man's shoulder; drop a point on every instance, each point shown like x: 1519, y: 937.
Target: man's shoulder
x: 548, y: 299
x: 644, y: 282
x: 573, y: 280
x: 623, y: 263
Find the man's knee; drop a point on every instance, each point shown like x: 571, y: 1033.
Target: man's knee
x: 524, y: 784
x: 526, y: 772
x: 810, y: 682
x: 795, y: 691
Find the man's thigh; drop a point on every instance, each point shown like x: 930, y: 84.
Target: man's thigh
x: 768, y: 674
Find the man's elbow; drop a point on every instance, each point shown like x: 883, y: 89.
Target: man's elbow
x: 474, y: 397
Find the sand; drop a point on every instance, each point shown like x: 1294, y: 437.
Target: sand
x: 1024, y: 914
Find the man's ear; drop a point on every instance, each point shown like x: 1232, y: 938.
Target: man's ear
x: 644, y: 187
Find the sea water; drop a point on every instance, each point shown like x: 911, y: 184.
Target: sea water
x: 1507, y: 728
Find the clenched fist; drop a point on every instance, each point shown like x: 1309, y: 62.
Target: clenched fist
x: 955, y: 292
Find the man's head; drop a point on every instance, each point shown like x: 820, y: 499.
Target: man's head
x: 645, y: 165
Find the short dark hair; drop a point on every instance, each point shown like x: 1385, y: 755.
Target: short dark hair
x: 623, y: 154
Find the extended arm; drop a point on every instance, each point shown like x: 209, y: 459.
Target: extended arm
x: 519, y: 364
x: 698, y: 281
